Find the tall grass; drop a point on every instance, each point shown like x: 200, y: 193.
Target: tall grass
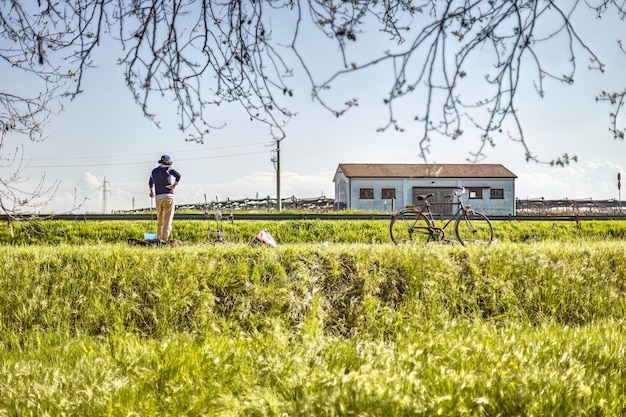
x: 453, y: 370
x: 349, y: 289
x: 308, y: 329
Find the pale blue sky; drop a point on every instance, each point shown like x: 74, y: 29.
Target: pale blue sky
x: 102, y: 134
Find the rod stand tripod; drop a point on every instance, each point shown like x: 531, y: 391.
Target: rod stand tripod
x: 216, y: 233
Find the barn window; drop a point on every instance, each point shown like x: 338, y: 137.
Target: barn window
x: 475, y: 193
x: 388, y: 193
x: 366, y: 193
x: 496, y: 194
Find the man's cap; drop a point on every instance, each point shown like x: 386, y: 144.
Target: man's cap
x: 165, y: 160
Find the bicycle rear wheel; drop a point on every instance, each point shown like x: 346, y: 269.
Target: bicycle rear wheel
x: 409, y: 227
x: 473, y: 227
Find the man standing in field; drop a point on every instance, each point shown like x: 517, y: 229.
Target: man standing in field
x: 163, y: 180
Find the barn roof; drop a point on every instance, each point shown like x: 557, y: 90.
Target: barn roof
x: 425, y: 171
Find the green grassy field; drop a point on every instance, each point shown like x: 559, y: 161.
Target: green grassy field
x: 195, y: 232
x: 531, y: 325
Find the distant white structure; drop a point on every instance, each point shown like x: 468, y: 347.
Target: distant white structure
x: 490, y: 188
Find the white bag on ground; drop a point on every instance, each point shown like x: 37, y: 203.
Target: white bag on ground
x: 265, y: 238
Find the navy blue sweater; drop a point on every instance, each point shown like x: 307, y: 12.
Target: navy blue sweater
x: 161, y: 178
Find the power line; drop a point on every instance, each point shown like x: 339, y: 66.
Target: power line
x: 150, y: 153
x: 141, y: 162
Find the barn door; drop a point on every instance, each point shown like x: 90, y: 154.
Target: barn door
x: 439, y: 198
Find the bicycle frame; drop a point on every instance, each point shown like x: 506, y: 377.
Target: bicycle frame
x: 425, y: 209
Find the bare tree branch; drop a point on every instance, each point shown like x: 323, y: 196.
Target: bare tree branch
x: 462, y: 62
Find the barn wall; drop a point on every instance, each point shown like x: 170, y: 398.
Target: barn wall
x: 348, y: 191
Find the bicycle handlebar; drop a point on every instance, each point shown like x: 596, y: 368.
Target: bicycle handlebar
x: 459, y: 193
x: 456, y: 193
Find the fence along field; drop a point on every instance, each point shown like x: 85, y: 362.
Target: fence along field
x: 531, y: 325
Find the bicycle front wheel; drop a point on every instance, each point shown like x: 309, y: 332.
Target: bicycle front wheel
x: 473, y: 227
x: 410, y: 227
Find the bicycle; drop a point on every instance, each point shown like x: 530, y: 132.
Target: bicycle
x: 416, y: 224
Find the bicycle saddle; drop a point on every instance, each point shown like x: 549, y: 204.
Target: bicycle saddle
x: 423, y: 197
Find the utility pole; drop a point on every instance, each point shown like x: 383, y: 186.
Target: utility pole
x: 105, y: 189
x: 619, y: 191
x: 276, y: 161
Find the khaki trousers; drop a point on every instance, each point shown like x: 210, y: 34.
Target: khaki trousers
x: 165, y: 215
